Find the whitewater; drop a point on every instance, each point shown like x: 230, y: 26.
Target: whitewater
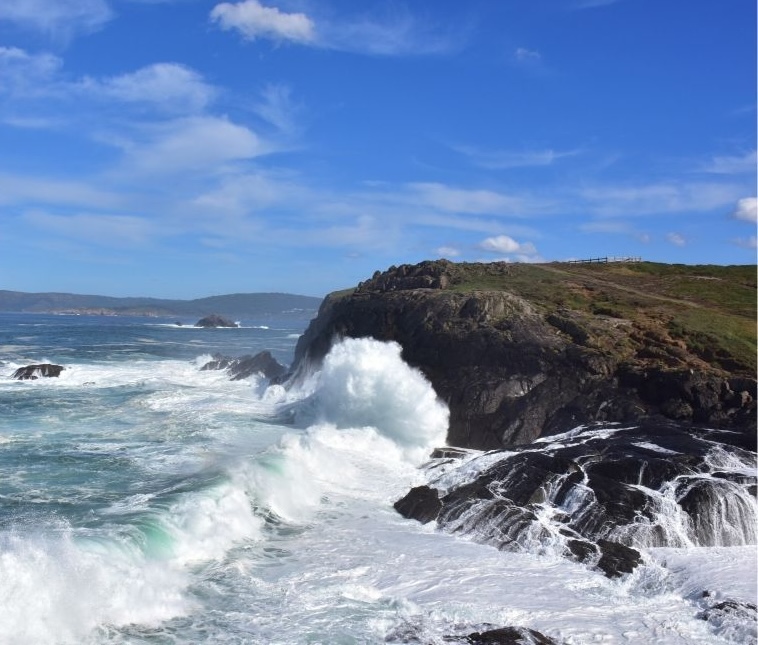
x: 143, y: 500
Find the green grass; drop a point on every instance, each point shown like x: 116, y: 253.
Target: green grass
x: 711, y: 308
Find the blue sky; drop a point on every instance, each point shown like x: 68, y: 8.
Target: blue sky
x: 188, y: 148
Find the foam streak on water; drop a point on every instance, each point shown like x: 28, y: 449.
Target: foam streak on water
x: 145, y: 501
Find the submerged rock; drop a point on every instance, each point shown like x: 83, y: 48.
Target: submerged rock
x: 33, y: 372
x: 214, y: 320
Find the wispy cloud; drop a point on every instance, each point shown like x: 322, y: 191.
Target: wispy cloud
x: 108, y: 230
x: 472, y: 201
x: 399, y: 34
x: 747, y: 242
x: 198, y: 143
x: 615, y: 227
x: 59, y: 19
x: 506, y: 159
x: 648, y: 199
x: 526, y: 56
x: 27, y: 75
x: 732, y: 165
x: 169, y: 87
x: 592, y: 4
x: 277, y: 108
x: 448, y: 252
x: 676, y: 239
x: 18, y: 189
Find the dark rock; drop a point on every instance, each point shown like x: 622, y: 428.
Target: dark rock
x: 214, y: 320
x: 597, y: 493
x: 219, y: 362
x: 241, y: 368
x: 422, y: 503
x: 33, y: 372
x: 510, y: 636
x: 617, y: 559
x: 262, y: 363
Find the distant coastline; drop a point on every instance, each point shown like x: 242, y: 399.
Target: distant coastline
x: 234, y: 305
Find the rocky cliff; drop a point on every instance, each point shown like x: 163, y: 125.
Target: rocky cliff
x: 520, y: 351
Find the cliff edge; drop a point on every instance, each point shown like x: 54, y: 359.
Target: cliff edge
x: 518, y: 351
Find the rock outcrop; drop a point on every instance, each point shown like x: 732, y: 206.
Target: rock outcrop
x: 520, y: 351
x: 33, y: 372
x: 262, y: 363
x: 597, y: 494
x: 214, y: 320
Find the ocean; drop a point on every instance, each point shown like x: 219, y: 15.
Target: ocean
x: 143, y: 500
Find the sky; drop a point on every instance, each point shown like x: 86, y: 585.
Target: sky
x: 187, y: 148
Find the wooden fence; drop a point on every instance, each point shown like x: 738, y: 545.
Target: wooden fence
x: 606, y: 259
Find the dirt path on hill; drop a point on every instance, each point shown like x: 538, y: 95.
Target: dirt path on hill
x: 614, y: 285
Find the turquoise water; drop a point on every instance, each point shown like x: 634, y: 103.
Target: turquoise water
x: 143, y: 500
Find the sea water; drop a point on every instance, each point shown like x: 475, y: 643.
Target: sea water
x: 143, y: 500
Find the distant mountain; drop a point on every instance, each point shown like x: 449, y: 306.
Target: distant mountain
x: 237, y: 305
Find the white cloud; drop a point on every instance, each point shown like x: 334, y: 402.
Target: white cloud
x: 253, y: 20
x: 676, y: 239
x: 60, y: 19
x: 400, y: 34
x: 746, y: 210
x: 170, y: 86
x: 506, y: 245
x: 500, y: 244
x: 732, y: 165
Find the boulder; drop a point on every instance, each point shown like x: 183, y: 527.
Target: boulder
x: 33, y: 372
x: 422, y: 503
x: 214, y: 320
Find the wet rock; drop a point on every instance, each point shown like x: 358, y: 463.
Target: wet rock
x: 598, y: 493
x: 33, y: 372
x: 734, y: 619
x: 422, y: 503
x: 510, y: 636
x: 617, y: 559
x: 214, y: 320
x: 241, y: 368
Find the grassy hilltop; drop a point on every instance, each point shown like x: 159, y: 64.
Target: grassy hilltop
x: 706, y: 309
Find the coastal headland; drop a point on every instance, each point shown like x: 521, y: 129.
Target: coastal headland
x: 518, y: 351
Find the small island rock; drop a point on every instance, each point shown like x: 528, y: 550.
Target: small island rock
x: 33, y: 372
x: 214, y: 320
